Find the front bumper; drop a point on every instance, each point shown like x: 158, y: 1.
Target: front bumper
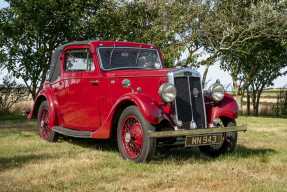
x: 193, y: 132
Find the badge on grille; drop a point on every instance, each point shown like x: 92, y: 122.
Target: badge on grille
x: 195, y: 92
x: 188, y: 73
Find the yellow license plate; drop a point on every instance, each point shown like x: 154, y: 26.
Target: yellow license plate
x: 200, y: 140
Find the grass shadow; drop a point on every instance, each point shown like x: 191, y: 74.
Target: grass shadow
x: 182, y: 155
x: 245, y: 152
x: 178, y: 155
x: 24, y: 132
x: 105, y: 145
x: 12, y: 118
x: 20, y: 160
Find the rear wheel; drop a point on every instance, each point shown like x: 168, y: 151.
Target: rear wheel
x: 228, y: 145
x: 43, y: 123
x: 132, y: 136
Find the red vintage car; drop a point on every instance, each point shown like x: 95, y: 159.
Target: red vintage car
x: 122, y: 91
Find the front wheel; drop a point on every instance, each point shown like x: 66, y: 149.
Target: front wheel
x: 132, y: 136
x: 228, y: 145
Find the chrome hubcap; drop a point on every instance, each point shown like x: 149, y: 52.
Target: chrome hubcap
x: 128, y: 137
x: 42, y: 124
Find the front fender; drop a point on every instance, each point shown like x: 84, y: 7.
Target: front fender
x: 151, y: 112
x: 227, y: 108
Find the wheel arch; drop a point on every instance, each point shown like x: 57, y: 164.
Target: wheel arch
x: 37, y: 104
x: 117, y: 113
x: 45, y: 96
x: 226, y: 120
x: 148, y: 109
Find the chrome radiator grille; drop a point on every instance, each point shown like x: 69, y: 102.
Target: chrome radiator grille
x: 189, y: 103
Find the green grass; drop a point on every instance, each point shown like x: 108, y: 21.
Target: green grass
x: 28, y: 163
x: 11, y: 118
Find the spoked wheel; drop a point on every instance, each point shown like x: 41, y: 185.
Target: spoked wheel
x: 43, y: 123
x: 132, y: 136
x: 228, y: 145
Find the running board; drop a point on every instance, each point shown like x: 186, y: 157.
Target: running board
x: 72, y: 132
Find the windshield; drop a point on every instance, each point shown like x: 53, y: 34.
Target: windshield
x: 127, y: 58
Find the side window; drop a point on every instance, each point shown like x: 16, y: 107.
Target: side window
x: 78, y: 60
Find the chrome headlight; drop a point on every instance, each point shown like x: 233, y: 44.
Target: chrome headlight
x: 217, y: 92
x: 167, y: 92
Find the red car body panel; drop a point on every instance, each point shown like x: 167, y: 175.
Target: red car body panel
x: 45, y: 94
x: 227, y: 108
x: 90, y: 100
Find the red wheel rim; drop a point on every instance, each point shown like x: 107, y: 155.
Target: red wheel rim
x: 132, y: 136
x: 44, y: 124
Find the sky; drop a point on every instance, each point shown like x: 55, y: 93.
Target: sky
x: 214, y: 72
x: 3, y: 4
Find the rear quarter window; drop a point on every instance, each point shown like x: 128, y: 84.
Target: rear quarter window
x: 78, y: 60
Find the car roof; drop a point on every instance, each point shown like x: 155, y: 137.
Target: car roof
x: 54, y: 71
x: 99, y: 43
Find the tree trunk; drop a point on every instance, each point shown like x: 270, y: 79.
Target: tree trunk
x: 259, y: 92
x: 205, y: 75
x: 254, y: 102
x: 248, y: 101
x: 241, y: 100
x: 256, y: 109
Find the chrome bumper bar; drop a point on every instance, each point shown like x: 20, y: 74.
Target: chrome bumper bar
x: 203, y: 131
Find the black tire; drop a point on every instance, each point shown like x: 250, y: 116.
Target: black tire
x: 228, y: 145
x: 149, y: 144
x: 45, y: 131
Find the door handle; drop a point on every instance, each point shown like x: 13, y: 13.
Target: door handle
x: 94, y: 82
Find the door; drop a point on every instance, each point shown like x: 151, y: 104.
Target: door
x: 80, y: 108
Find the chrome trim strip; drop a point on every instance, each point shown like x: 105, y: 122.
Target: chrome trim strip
x: 170, y: 77
x: 203, y: 103
x: 191, y: 107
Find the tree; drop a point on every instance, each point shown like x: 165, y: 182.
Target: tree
x: 30, y: 30
x: 272, y: 60
x: 46, y: 24
x: 227, y: 29
x: 10, y: 93
x: 249, y: 38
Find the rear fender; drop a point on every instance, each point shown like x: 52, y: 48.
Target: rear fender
x: 151, y: 112
x: 227, y: 108
x: 44, y: 96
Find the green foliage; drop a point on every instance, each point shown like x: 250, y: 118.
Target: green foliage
x: 249, y: 38
x: 30, y: 30
x: 240, y: 31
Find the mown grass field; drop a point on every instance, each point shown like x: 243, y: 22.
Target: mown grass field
x: 28, y: 163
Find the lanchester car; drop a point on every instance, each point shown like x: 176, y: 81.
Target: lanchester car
x: 122, y: 91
